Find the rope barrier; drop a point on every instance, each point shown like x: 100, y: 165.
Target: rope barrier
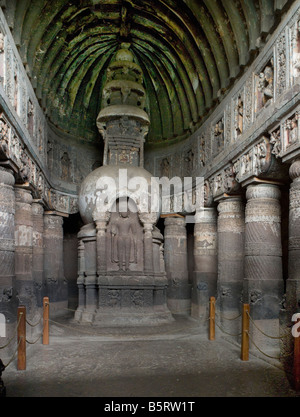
x: 36, y: 324
x: 270, y: 337
x: 20, y: 331
x: 265, y: 354
x: 13, y: 336
x: 229, y: 334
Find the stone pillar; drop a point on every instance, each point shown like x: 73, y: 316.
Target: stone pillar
x: 91, y: 296
x: 56, y: 286
x: 231, y: 240
x: 38, y: 251
x: 205, y: 262
x: 148, y: 248
x: 293, y: 281
x: 80, y: 280
x: 8, y: 300
x: 24, y: 249
x: 101, y: 226
x: 263, y: 285
x: 179, y: 291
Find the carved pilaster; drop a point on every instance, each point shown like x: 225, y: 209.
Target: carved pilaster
x: 24, y: 248
x: 38, y: 250
x: 263, y: 285
x: 56, y: 284
x: 231, y: 235
x: 176, y: 265
x: 8, y: 300
x: 80, y: 280
x: 205, y: 262
x: 293, y: 282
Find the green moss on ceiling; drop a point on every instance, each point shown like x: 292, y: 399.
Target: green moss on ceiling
x: 190, y: 52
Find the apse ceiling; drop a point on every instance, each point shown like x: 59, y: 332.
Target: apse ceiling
x: 190, y: 52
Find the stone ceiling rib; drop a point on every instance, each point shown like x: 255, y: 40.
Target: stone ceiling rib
x: 191, y: 52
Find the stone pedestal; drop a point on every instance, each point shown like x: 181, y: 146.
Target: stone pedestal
x: 179, y: 289
x: 56, y: 286
x: 231, y: 236
x: 205, y: 262
x: 24, y: 249
x: 263, y: 285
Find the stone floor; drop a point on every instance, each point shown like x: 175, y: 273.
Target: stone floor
x: 176, y: 360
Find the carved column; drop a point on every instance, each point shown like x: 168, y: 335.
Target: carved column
x: 205, y: 262
x: 148, y: 248
x: 91, y: 242
x: 24, y: 248
x: 56, y: 285
x: 263, y: 285
x: 101, y: 226
x: 38, y: 251
x: 8, y: 300
x: 231, y: 236
x: 293, y: 281
x: 80, y: 280
x: 179, y: 297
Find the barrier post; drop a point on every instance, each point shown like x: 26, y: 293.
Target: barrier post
x: 296, y: 367
x: 212, y: 318
x: 21, y: 338
x: 245, y: 333
x: 46, y: 321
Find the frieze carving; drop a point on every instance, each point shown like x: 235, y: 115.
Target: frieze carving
x: 295, y: 48
x: 239, y: 115
x: 27, y: 171
x: 224, y: 182
x: 275, y: 140
x: 291, y: 130
x: 281, y: 65
x: 265, y: 85
x: 254, y: 162
x: 285, y: 137
x: 218, y: 136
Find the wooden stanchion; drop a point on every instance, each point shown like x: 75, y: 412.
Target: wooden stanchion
x: 296, y: 365
x: 245, y: 333
x: 212, y: 318
x: 46, y: 321
x: 21, y: 338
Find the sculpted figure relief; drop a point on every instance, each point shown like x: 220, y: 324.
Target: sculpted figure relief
x: 124, y: 244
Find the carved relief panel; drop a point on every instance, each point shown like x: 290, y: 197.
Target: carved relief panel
x: 218, y: 136
x: 295, y: 47
x: 254, y: 162
x: 239, y: 114
x: 291, y: 129
x: 264, y: 86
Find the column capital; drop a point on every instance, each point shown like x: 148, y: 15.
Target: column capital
x: 263, y: 191
x: 295, y: 170
x: 231, y: 204
x: 7, y: 177
x: 206, y: 215
x: 178, y: 220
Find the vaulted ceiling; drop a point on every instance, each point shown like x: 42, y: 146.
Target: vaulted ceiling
x: 190, y: 51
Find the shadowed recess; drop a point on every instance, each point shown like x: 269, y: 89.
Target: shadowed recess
x: 191, y: 51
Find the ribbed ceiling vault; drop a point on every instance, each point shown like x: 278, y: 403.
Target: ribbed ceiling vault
x: 190, y: 52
